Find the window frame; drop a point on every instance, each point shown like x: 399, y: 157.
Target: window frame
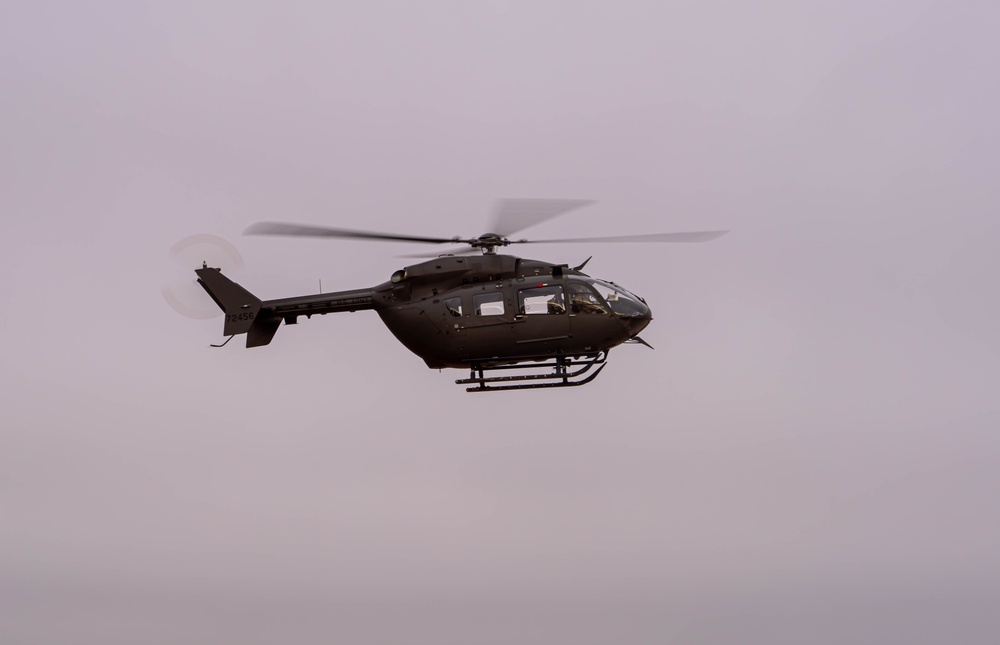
x: 556, y: 292
x: 488, y: 298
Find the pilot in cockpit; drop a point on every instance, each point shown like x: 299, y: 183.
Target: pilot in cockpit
x: 555, y: 304
x: 583, y: 301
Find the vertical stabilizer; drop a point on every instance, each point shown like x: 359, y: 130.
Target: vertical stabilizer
x: 240, y: 306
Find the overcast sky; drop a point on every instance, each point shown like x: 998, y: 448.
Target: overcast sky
x: 810, y: 455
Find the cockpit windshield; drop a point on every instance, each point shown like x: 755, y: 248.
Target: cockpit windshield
x: 620, y: 300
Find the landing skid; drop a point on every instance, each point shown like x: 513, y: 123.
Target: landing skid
x: 560, y: 374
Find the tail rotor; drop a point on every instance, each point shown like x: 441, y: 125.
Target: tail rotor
x: 180, y: 290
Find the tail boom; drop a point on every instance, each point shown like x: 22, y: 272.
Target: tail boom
x: 248, y: 314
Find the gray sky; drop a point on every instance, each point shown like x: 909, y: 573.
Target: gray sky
x: 810, y: 454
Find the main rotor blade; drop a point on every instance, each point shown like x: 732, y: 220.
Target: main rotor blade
x: 513, y: 215
x: 695, y: 236
x: 305, y: 230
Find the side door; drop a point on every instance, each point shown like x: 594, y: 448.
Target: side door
x: 486, y: 322
x: 541, y: 322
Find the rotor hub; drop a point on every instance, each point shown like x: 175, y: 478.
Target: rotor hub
x: 488, y: 242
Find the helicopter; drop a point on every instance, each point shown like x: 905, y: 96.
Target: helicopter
x: 514, y: 323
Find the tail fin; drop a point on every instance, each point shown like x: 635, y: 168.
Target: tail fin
x: 241, y: 307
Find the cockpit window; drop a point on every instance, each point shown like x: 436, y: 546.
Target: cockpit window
x: 583, y: 300
x: 545, y: 299
x: 621, y: 301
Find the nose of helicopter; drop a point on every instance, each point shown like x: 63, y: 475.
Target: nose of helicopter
x: 638, y: 321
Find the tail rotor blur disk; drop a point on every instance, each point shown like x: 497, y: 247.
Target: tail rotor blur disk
x: 180, y: 289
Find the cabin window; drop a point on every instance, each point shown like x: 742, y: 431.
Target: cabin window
x: 582, y: 300
x: 488, y: 304
x: 544, y: 299
x: 454, y: 306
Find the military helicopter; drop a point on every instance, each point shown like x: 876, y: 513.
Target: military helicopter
x: 513, y: 323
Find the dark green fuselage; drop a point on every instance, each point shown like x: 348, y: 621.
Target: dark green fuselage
x: 459, y: 311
